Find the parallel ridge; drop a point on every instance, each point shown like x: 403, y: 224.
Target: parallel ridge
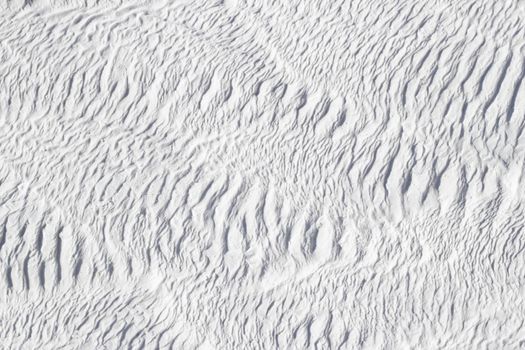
x: 344, y: 184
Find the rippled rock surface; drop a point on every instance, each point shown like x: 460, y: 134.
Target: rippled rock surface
x: 262, y: 174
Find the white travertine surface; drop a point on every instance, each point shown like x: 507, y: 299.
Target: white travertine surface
x: 262, y: 174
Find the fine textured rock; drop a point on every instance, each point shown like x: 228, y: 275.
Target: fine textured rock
x: 262, y: 174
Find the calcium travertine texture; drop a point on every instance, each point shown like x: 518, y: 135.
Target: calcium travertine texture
x: 262, y: 174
